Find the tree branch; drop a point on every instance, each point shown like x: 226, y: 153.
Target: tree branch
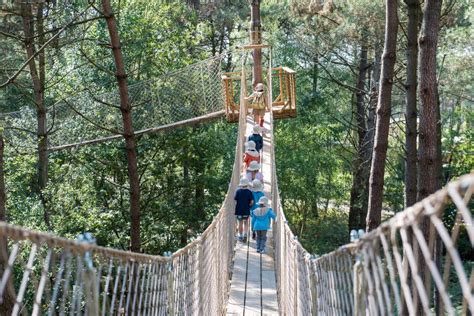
x: 17, y: 73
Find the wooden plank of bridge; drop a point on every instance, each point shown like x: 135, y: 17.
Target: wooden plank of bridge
x: 253, y: 284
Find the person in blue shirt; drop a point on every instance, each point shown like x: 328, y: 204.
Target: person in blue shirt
x: 244, y: 201
x: 257, y: 190
x: 257, y: 138
x: 261, y: 222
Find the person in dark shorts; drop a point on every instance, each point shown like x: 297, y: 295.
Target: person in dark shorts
x: 244, y: 201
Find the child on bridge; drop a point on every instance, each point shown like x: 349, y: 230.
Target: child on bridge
x: 257, y: 190
x: 251, y: 154
x: 261, y: 217
x: 258, y: 103
x: 244, y: 198
x: 257, y: 138
x: 253, y: 172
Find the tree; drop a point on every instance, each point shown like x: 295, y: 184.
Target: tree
x: 410, y: 109
x: 377, y: 170
x: 429, y: 151
x: 358, y: 196
x: 429, y: 154
x: 128, y: 133
x: 256, y: 38
x: 38, y: 77
x: 3, y: 216
x: 9, y: 297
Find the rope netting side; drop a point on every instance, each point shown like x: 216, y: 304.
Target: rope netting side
x: 396, y: 269
x: 187, y: 93
x: 41, y: 273
x: 44, y: 274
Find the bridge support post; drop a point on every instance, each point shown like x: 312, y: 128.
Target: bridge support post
x: 255, y: 39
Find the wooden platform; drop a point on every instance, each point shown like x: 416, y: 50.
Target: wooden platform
x: 253, y: 285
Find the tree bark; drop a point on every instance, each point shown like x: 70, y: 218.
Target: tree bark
x: 411, y: 158
x: 9, y: 295
x: 358, y: 188
x: 3, y: 216
x: 37, y: 74
x: 411, y: 114
x: 377, y: 170
x: 429, y: 162
x: 126, y: 110
x: 256, y: 38
x: 369, y: 136
x: 429, y: 153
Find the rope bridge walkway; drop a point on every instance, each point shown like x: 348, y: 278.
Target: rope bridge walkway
x: 395, y: 269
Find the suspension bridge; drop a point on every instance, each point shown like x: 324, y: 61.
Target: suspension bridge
x: 378, y: 274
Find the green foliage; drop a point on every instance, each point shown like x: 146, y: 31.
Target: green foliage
x: 184, y: 174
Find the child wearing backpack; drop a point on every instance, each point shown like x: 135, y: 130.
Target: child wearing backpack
x: 257, y: 138
x: 251, y: 154
x: 261, y: 217
x: 258, y: 103
x: 244, y: 201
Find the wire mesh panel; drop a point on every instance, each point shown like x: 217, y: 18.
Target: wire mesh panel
x: 188, y: 93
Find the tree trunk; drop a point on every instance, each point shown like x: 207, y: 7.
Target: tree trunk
x: 358, y: 189
x: 9, y: 295
x: 411, y: 159
x: 429, y: 163
x: 199, y: 195
x: 429, y: 153
x: 315, y: 70
x: 38, y: 78
x: 410, y: 114
x: 377, y: 170
x: 256, y: 38
x: 126, y: 110
x: 369, y: 136
x: 3, y: 214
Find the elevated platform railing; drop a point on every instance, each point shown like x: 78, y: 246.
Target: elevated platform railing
x: 283, y: 88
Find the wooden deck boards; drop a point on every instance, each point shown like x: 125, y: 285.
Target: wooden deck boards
x: 253, y: 284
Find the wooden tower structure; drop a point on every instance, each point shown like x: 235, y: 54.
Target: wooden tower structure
x: 283, y: 80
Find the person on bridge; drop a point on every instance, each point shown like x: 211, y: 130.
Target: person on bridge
x: 257, y: 190
x: 251, y: 154
x: 253, y: 172
x: 258, y: 103
x: 261, y: 217
x: 244, y: 201
x: 257, y: 138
